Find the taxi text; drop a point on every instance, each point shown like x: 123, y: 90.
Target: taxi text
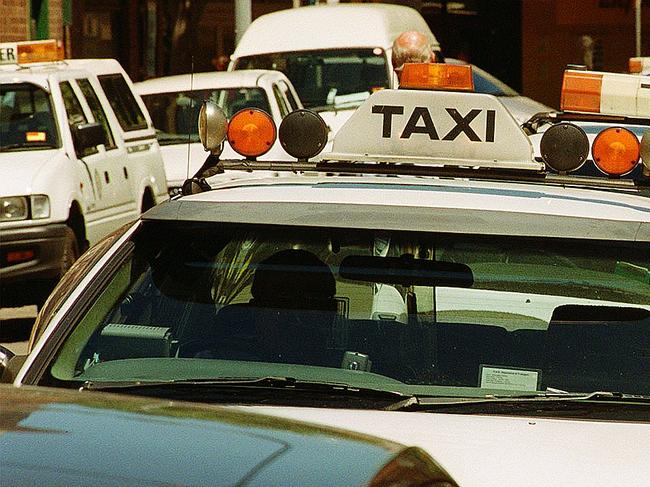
x: 420, y: 121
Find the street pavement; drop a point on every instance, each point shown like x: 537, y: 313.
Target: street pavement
x: 15, y: 326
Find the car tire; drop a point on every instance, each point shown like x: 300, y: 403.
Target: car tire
x: 70, y: 251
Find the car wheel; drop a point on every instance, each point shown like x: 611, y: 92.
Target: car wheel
x: 70, y: 251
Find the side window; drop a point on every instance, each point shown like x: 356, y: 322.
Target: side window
x: 74, y: 113
x: 123, y: 102
x: 98, y: 111
x: 284, y: 109
x: 289, y: 95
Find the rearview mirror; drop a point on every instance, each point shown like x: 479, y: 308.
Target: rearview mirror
x: 406, y: 270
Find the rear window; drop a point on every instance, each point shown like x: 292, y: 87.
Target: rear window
x: 123, y: 102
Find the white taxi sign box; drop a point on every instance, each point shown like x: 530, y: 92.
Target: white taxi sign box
x: 434, y: 128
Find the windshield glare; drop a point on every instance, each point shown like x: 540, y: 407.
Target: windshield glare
x: 26, y: 118
x: 175, y: 114
x: 436, y: 314
x: 321, y: 76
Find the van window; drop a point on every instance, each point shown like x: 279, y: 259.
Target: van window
x: 123, y: 102
x: 289, y: 95
x: 98, y: 112
x: 322, y: 77
x: 75, y: 114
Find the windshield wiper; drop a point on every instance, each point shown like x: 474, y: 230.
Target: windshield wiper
x: 29, y: 145
x: 275, y: 384
x: 552, y: 398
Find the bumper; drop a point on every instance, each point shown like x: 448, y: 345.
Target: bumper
x: 30, y: 263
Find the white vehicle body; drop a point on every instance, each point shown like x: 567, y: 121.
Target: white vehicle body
x: 94, y: 193
x: 335, y: 29
x: 535, y: 243
x: 184, y: 155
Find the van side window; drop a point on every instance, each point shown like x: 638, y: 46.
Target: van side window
x: 284, y: 109
x: 289, y: 95
x: 98, y: 112
x: 74, y: 113
x: 123, y: 102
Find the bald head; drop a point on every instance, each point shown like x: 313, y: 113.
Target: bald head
x: 411, y: 47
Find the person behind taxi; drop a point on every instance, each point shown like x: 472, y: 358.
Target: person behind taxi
x: 411, y: 47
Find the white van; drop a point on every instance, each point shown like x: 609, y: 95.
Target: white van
x: 335, y: 55
x: 78, y: 159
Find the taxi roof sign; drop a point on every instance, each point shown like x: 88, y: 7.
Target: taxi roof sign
x: 439, y: 128
x: 605, y: 93
x: 437, y: 76
x: 31, y: 52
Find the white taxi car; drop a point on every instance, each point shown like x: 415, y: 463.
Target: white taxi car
x: 78, y: 159
x: 427, y: 281
x: 174, y: 103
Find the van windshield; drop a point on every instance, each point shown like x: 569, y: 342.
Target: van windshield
x: 26, y: 118
x: 328, y: 78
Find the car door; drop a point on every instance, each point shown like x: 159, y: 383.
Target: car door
x: 116, y: 171
x: 90, y: 161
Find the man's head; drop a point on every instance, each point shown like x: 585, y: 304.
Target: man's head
x: 411, y: 47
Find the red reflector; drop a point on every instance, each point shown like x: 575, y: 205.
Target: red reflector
x: 17, y: 256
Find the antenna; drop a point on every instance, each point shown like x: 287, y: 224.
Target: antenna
x: 189, y: 132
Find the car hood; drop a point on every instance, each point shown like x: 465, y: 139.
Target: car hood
x: 501, y: 451
x: 20, y: 169
x: 522, y: 107
x: 60, y: 438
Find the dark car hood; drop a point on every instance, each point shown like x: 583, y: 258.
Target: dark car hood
x: 68, y: 438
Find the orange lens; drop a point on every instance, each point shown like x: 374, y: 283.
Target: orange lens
x: 251, y: 132
x: 635, y: 65
x: 616, y: 151
x: 581, y: 91
x: 40, y: 51
x: 35, y: 137
x: 437, y: 76
x: 16, y: 256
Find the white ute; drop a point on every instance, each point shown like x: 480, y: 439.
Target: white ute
x: 78, y: 159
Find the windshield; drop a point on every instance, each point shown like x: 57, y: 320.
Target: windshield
x: 328, y: 78
x: 27, y: 121
x: 175, y: 115
x: 426, y: 313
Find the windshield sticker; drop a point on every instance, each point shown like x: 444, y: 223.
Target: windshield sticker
x: 35, y: 137
x: 509, y: 378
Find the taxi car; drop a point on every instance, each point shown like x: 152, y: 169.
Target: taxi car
x: 174, y: 102
x: 60, y: 438
x: 78, y: 159
x: 428, y: 281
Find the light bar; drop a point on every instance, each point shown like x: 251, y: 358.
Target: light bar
x: 605, y: 93
x: 31, y: 52
x: 639, y: 64
x: 437, y: 76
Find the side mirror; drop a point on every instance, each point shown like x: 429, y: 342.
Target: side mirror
x: 5, y: 356
x: 87, y: 135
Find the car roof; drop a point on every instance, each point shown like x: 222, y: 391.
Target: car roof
x: 330, y: 27
x: 408, y: 203
x: 210, y: 80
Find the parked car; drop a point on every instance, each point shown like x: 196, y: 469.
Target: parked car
x: 174, y: 103
x: 78, y: 159
x: 60, y: 438
x: 428, y: 281
x: 521, y: 107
